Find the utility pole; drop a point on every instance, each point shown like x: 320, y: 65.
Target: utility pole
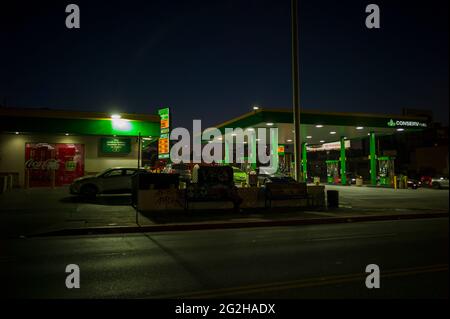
x: 296, y: 93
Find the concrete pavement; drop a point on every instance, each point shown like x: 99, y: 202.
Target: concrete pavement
x: 43, y: 211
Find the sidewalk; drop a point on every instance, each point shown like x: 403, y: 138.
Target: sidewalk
x: 241, y: 221
x: 25, y: 213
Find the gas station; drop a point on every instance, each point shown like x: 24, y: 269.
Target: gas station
x: 331, y: 132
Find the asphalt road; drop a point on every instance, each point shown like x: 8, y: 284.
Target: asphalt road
x: 326, y: 261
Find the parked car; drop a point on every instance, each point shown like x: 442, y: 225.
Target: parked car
x: 111, y: 181
x: 351, y: 178
x: 264, y: 177
x: 239, y: 176
x: 414, y: 183
x: 181, y: 169
x: 439, y: 182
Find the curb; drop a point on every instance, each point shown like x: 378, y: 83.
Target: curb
x: 229, y: 225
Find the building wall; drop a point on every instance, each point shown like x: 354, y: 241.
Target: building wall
x: 12, y: 152
x: 430, y: 160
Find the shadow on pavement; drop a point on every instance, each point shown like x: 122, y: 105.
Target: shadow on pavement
x: 220, y: 215
x: 110, y: 200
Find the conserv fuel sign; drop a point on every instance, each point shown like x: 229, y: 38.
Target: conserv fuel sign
x: 393, y: 123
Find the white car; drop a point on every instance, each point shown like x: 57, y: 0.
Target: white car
x: 439, y: 182
x: 111, y: 181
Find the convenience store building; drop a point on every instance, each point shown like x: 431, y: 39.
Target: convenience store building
x: 36, y: 143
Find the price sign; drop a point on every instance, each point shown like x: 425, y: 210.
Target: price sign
x: 164, y: 142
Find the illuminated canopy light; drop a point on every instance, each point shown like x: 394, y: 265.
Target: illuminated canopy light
x: 332, y: 132
x: 322, y: 141
x: 309, y: 136
x: 319, y: 125
x: 360, y: 127
x: 67, y: 134
x: 289, y: 141
x: 269, y: 124
x: 17, y: 133
x: 116, y: 116
x: 256, y: 107
x: 121, y: 125
x: 400, y: 129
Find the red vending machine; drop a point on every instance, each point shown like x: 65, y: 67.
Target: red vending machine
x: 45, y: 161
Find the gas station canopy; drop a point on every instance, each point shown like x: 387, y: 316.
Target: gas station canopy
x: 324, y: 127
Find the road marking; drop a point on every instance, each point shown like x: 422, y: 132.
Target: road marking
x: 302, y: 283
x: 356, y: 236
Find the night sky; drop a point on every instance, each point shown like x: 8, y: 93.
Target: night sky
x: 213, y: 60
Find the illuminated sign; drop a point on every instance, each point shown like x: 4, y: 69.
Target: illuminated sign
x: 164, y: 143
x: 393, y: 123
x: 280, y: 149
x: 115, y: 145
x: 327, y: 146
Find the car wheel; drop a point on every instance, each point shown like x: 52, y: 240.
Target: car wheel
x: 89, y: 191
x: 436, y: 185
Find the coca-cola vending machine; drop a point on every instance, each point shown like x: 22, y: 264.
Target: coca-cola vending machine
x: 61, y: 162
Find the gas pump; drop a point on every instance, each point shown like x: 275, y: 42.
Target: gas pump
x: 386, y: 170
x: 332, y: 171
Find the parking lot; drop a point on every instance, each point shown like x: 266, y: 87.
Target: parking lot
x: 391, y: 199
x: 25, y: 211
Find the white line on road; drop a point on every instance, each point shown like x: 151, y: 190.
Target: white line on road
x: 356, y: 236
